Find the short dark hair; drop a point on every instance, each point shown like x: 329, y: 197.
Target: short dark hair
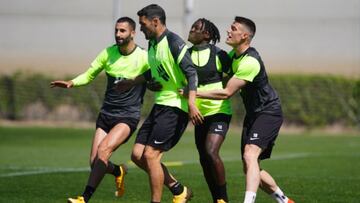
x: 248, y: 23
x: 128, y: 20
x: 152, y: 11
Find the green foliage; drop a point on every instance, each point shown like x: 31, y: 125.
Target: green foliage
x: 314, y: 100
x: 307, y: 100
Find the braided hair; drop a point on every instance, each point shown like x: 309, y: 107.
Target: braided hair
x: 212, y: 29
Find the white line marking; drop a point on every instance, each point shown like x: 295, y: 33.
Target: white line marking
x: 47, y: 170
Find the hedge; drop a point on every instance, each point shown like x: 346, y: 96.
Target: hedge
x: 307, y: 100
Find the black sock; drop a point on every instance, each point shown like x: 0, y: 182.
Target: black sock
x: 116, y: 172
x: 89, y: 191
x: 177, y: 189
x: 154, y: 202
x: 222, y: 193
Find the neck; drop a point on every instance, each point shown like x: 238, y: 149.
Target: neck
x: 241, y: 48
x: 202, y: 45
x: 127, y: 48
x: 160, y: 30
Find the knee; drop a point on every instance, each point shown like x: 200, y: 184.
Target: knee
x: 136, y: 158
x: 212, y: 153
x: 103, y: 153
x: 149, y: 155
x: 249, y: 158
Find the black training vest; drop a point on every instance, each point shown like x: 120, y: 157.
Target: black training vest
x: 258, y: 96
x: 208, y: 73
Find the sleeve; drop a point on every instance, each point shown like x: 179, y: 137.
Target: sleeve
x: 224, y: 61
x: 248, y: 69
x: 96, y: 67
x: 182, y: 57
x: 145, y: 63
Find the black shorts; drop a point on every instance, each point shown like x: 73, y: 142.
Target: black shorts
x: 163, y: 128
x: 261, y: 130
x: 214, y: 124
x: 107, y: 122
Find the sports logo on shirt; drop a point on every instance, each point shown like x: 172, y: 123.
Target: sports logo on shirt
x: 162, y: 73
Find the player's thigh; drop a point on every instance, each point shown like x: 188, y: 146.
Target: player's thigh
x: 218, y: 126
x: 117, y: 135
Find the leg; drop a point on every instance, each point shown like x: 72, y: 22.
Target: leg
x: 117, y: 135
x: 158, y: 137
x: 200, y: 141
x: 100, y: 134
x: 154, y: 169
x: 267, y: 183
x: 102, y: 147
x: 252, y: 171
x: 213, y: 144
x: 138, y: 158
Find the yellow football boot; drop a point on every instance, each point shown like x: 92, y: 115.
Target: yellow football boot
x: 119, y: 181
x: 184, y: 197
x: 79, y: 199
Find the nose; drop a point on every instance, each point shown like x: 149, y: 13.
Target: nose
x: 117, y: 33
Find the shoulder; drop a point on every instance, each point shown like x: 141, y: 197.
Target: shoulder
x: 106, y: 52
x: 173, y: 37
x: 220, y: 52
x: 177, y: 45
x: 140, y: 50
x: 252, y: 52
x: 175, y: 42
x: 110, y: 48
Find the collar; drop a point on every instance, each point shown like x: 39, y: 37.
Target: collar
x: 243, y: 54
x: 157, y: 40
x: 201, y: 47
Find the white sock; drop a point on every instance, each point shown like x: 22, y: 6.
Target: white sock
x: 249, y: 197
x: 279, y: 196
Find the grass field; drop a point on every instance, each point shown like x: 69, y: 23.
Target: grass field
x: 49, y: 165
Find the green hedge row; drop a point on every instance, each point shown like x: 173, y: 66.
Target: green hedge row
x: 307, y: 100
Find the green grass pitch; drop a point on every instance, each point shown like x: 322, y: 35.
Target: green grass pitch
x: 50, y: 165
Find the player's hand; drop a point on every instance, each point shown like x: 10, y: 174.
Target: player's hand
x: 154, y: 85
x: 195, y: 115
x: 184, y: 92
x: 123, y: 85
x: 62, y: 84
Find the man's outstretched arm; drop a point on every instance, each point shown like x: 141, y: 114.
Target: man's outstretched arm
x: 233, y: 85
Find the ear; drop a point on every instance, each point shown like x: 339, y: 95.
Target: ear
x: 156, y: 21
x: 133, y: 34
x: 245, y: 35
